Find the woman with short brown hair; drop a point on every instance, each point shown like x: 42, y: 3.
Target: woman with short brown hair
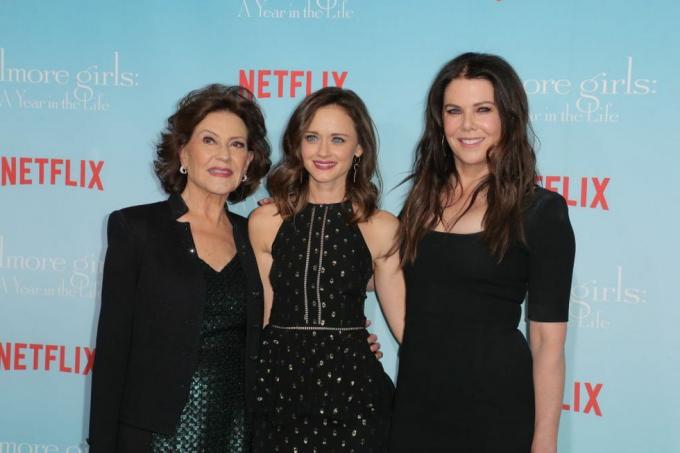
x: 181, y: 307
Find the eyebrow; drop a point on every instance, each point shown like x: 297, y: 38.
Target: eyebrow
x: 310, y: 131
x: 477, y: 104
x: 216, y: 134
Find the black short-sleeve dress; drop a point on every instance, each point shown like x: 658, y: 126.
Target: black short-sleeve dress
x: 465, y: 372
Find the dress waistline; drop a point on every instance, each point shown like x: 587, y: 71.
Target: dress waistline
x: 275, y: 326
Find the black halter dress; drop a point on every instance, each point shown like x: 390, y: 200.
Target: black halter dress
x: 318, y: 386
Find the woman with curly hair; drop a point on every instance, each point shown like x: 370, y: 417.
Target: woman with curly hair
x: 182, y: 302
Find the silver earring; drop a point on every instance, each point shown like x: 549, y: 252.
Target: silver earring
x: 182, y: 170
x: 356, y: 166
x: 244, y: 178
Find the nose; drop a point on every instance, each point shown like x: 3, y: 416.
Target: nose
x: 324, y: 148
x: 468, y: 121
x: 225, y: 152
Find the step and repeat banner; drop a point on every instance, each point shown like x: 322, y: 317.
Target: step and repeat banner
x: 86, y: 87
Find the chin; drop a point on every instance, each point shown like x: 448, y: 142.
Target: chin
x: 222, y: 190
x: 323, y: 176
x: 470, y: 164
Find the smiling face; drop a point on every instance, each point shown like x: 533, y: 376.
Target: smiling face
x: 472, y: 124
x: 329, y: 145
x: 216, y: 156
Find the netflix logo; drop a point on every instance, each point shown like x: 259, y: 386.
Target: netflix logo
x: 288, y: 83
x: 584, y: 192
x: 84, y: 174
x: 584, y: 397
x: 46, y: 357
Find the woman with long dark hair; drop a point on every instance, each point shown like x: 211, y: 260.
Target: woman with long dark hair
x: 318, y: 386
x: 476, y: 235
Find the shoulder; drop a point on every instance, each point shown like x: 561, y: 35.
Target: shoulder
x: 383, y: 219
x: 139, y: 217
x: 547, y: 218
x: 546, y: 204
x: 265, y: 214
x: 142, y: 212
x: 263, y: 223
x: 380, y: 232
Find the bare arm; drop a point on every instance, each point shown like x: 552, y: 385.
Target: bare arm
x: 263, y: 225
x: 380, y: 233
x: 547, y: 349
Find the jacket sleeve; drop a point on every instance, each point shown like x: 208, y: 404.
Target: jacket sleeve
x: 113, y: 334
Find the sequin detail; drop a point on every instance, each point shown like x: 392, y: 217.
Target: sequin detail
x: 213, y: 419
x: 318, y: 385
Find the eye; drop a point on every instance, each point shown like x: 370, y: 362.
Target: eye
x: 311, y: 138
x: 338, y: 140
x: 452, y: 110
x: 238, y: 144
x: 208, y: 139
x: 484, y: 109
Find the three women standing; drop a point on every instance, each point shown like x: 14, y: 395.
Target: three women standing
x: 182, y: 301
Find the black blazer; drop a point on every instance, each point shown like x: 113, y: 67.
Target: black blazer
x: 151, y: 312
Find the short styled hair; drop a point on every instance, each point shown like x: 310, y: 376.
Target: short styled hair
x: 191, y: 110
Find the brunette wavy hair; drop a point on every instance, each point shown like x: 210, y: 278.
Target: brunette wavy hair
x: 288, y: 183
x: 512, y: 164
x: 191, y: 110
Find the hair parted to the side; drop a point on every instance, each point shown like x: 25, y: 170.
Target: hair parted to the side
x: 512, y: 162
x: 191, y: 110
x: 288, y: 183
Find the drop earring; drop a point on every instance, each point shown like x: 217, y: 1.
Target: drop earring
x: 355, y: 166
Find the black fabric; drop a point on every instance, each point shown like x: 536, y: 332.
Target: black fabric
x: 319, y: 387
x: 465, y: 372
x: 150, y: 320
x: 213, y: 419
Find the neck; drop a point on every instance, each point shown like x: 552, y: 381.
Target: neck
x: 326, y: 193
x: 470, y: 176
x: 205, y: 205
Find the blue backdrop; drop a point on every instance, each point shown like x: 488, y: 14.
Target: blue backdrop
x: 85, y: 88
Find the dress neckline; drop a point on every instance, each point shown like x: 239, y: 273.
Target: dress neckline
x: 451, y: 233
x: 229, y: 263
x: 322, y: 205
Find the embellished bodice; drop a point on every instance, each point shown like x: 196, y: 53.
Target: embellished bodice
x: 321, y: 266
x: 314, y: 360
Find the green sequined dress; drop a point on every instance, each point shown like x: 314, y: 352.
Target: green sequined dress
x: 213, y: 419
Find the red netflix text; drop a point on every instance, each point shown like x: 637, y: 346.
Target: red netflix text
x: 585, y: 192
x: 584, y: 398
x: 266, y: 83
x: 52, y: 171
x: 46, y: 357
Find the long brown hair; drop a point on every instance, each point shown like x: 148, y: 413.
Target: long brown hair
x: 288, y: 183
x: 512, y: 165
